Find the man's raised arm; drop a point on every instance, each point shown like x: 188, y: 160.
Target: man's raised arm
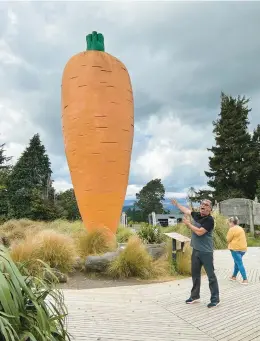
x: 183, y: 209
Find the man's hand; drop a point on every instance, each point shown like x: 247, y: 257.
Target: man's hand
x: 186, y: 221
x: 199, y: 231
x: 183, y: 209
x: 174, y: 202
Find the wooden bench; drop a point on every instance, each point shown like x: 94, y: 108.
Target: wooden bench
x: 177, y: 237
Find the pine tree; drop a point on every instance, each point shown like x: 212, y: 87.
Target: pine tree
x: 5, y: 168
x: 255, y: 183
x: 30, y: 183
x: 231, y: 164
x: 3, y: 158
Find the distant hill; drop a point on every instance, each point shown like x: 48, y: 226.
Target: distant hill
x: 167, y: 204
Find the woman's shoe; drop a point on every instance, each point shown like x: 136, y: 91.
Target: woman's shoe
x: 233, y: 279
x: 245, y: 282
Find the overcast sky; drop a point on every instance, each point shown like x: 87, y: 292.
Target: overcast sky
x: 180, y: 56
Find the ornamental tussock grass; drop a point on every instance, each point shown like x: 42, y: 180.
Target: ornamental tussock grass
x: 123, y: 234
x: 183, y: 260
x: 66, y: 227
x: 15, y: 230
x: 220, y: 231
x: 53, y: 248
x: 94, y: 242
x: 134, y: 261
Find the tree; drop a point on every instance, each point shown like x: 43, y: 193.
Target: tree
x: 255, y: 183
x: 134, y: 214
x: 67, y: 205
x: 150, y: 198
x: 5, y: 169
x: 30, y: 184
x: 3, y: 158
x: 231, y: 163
x: 191, y: 195
x: 257, y: 194
x: 200, y: 195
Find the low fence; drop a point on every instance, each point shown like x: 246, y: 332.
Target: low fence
x: 247, y: 211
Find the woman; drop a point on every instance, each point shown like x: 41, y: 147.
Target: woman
x: 237, y: 244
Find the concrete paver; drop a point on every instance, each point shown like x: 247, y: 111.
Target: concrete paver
x: 158, y: 312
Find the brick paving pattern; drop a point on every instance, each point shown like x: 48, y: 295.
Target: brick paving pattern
x: 158, y: 312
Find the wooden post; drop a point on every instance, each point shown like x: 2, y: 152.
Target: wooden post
x: 176, y: 237
x: 174, y: 249
x: 251, y: 218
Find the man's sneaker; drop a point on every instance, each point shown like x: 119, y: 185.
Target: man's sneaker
x: 213, y: 305
x: 191, y: 300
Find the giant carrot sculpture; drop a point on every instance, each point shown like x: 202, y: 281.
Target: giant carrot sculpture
x: 98, y: 126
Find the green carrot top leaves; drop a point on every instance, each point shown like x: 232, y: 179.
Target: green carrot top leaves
x: 95, y: 42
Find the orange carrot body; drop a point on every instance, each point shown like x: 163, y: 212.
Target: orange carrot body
x: 98, y: 127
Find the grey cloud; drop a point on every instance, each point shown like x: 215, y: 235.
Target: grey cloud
x: 145, y: 105
x: 184, y: 177
x: 200, y: 50
x: 21, y: 78
x: 180, y: 57
x: 4, y: 18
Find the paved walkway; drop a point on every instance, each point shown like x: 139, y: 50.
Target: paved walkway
x: 158, y: 312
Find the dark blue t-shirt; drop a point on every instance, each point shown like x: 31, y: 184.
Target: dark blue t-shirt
x: 202, y: 243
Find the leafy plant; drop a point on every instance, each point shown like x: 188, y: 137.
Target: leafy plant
x: 30, y: 309
x: 151, y: 234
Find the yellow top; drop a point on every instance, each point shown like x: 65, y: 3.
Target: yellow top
x: 236, y: 238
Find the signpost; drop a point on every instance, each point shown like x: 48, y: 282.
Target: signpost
x: 176, y: 237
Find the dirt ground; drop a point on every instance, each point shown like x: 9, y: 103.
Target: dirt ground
x: 81, y: 281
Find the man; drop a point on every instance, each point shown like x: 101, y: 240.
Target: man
x: 202, y: 254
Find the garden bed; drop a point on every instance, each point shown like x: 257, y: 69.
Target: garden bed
x: 66, y: 247
x: 81, y: 281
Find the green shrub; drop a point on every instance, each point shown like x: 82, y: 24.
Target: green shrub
x: 30, y: 308
x: 123, y: 234
x: 179, y: 228
x: 252, y: 241
x: 151, y: 234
